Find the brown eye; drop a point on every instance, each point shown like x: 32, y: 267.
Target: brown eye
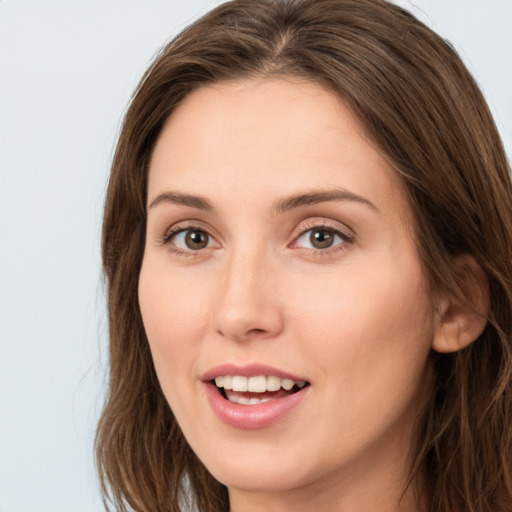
x: 191, y: 239
x: 321, y: 238
x: 196, y: 239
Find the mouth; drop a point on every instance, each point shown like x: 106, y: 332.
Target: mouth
x: 254, y: 396
x: 256, y: 390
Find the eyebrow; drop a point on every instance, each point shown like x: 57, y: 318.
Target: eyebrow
x: 280, y: 206
x: 183, y: 199
x: 320, y: 196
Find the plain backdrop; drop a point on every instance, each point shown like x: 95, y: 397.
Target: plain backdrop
x: 67, y: 69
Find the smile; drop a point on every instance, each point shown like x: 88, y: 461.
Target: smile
x: 253, y: 397
x: 256, y: 390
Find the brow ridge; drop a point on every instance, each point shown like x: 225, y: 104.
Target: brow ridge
x: 182, y: 199
x: 280, y: 206
x: 321, y: 196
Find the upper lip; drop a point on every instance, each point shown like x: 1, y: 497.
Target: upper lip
x: 250, y: 370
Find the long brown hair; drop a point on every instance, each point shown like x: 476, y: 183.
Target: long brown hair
x: 425, y: 114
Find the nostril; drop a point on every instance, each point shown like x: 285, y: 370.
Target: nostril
x: 256, y: 331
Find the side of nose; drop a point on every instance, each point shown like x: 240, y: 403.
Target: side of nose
x: 248, y: 302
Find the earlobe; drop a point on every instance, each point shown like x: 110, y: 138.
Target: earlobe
x: 463, y: 315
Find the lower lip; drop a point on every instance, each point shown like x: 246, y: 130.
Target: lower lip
x: 252, y: 417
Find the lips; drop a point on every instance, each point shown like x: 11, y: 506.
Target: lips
x: 254, y: 396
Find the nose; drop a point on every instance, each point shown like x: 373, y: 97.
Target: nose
x: 248, y: 301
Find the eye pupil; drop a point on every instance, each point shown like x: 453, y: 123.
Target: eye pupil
x: 321, y: 238
x: 196, y: 239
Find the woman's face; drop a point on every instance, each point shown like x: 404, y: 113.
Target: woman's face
x: 279, y: 253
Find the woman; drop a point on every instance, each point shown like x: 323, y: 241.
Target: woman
x: 308, y: 250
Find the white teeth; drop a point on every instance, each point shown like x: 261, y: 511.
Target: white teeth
x: 239, y: 383
x: 273, y: 383
x: 228, y: 382
x: 287, y: 384
x: 257, y: 384
x: 243, y: 400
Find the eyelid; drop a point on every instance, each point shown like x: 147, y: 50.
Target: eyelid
x: 340, y: 229
x: 186, y: 225
x: 345, y: 233
x: 183, y: 225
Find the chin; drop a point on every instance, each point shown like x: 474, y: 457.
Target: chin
x: 260, y: 470
x: 256, y: 479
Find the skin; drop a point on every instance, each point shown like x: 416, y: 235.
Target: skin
x: 354, y: 318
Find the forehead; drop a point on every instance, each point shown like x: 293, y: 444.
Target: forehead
x: 267, y: 137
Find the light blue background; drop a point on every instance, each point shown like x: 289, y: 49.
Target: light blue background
x: 67, y: 69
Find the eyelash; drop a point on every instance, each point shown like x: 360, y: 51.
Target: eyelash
x: 346, y: 238
x: 174, y: 231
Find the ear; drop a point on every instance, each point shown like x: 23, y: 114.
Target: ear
x: 463, y: 313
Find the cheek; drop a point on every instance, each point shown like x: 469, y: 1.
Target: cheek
x: 174, y: 319
x: 369, y: 328
x: 369, y: 302
x: 367, y: 336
